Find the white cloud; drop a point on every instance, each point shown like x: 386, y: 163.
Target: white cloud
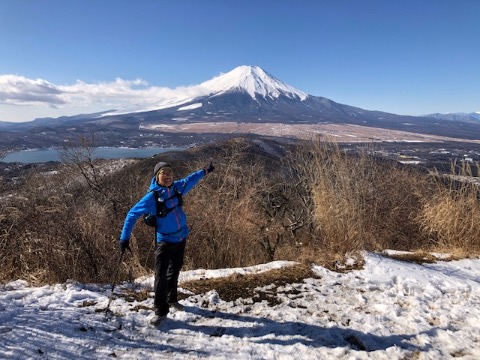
x: 24, y: 99
x: 18, y: 90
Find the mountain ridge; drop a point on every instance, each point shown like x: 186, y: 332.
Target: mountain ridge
x: 248, y: 94
x: 467, y: 117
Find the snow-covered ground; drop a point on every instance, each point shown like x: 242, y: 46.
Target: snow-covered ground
x: 388, y: 310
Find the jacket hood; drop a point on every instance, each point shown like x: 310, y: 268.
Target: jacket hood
x: 154, y: 185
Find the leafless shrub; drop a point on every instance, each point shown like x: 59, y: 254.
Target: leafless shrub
x: 318, y: 204
x: 79, y: 160
x: 222, y: 211
x: 57, y: 227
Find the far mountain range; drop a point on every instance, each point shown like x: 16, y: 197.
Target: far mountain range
x: 465, y: 117
x: 245, y: 95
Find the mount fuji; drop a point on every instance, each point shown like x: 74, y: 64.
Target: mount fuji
x: 247, y: 94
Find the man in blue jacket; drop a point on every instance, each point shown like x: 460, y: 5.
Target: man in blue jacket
x: 164, y: 200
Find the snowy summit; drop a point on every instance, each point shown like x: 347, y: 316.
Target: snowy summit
x: 254, y: 81
x: 244, y: 79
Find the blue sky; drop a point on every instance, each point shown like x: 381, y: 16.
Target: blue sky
x: 65, y: 57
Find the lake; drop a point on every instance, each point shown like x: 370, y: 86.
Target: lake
x: 36, y: 156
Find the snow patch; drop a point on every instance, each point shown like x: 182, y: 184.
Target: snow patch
x: 388, y: 310
x: 191, y: 107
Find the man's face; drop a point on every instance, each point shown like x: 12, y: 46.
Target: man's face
x: 165, y: 177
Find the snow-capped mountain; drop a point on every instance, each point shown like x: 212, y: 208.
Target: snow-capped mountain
x: 251, y: 80
x: 254, y: 81
x: 248, y: 94
x: 467, y: 117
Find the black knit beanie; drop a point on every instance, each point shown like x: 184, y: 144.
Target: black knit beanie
x: 159, y: 166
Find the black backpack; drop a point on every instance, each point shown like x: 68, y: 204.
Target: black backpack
x: 162, y: 211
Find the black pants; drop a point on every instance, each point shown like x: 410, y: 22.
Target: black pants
x: 168, y: 262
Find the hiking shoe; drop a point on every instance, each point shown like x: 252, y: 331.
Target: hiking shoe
x: 157, y: 319
x: 177, y: 306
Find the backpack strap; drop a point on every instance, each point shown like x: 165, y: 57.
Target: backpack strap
x: 162, y: 210
x: 179, y: 196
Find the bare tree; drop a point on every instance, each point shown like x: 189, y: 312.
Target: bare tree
x: 79, y: 157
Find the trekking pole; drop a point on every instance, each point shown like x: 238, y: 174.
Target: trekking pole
x: 107, y: 309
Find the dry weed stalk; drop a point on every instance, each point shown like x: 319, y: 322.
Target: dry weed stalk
x: 358, y: 202
x: 220, y: 212
x: 452, y: 213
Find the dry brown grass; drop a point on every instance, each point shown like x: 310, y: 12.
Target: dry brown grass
x: 452, y: 213
x: 422, y: 257
x: 238, y: 286
x: 56, y: 229
x: 357, y: 202
x: 223, y: 210
x: 309, y: 203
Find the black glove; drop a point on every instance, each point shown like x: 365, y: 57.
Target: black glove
x: 210, y: 168
x: 124, y: 244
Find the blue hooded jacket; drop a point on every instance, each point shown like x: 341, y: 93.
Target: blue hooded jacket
x: 172, y: 228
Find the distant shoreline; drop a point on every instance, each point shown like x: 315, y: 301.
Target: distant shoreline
x: 102, y: 152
